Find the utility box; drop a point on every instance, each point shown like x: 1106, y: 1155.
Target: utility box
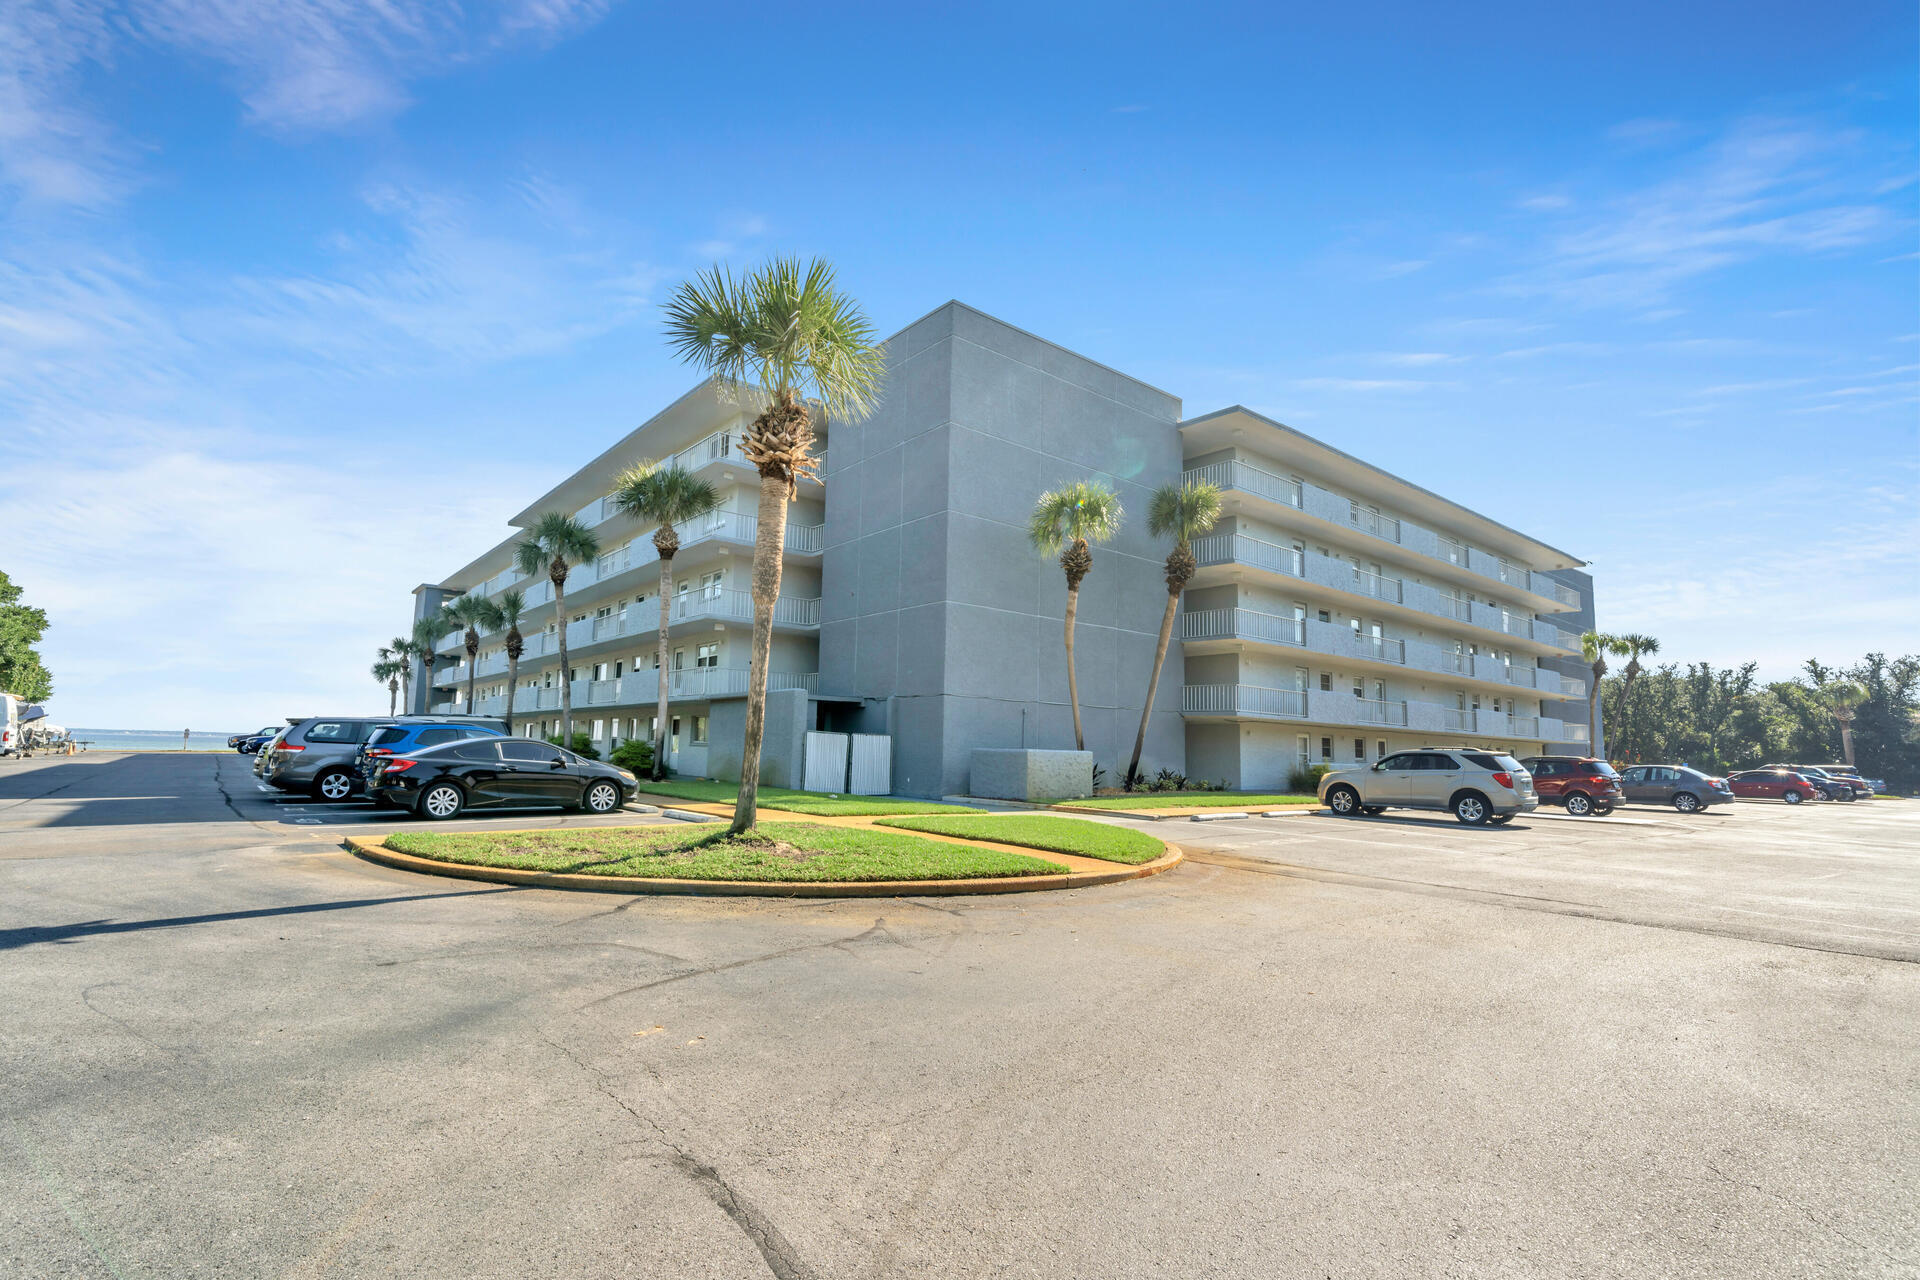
x: 1021, y: 774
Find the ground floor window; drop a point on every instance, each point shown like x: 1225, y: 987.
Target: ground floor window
x: 1380, y: 748
x: 1326, y: 748
x: 1360, y: 750
x: 699, y: 729
x: 599, y: 730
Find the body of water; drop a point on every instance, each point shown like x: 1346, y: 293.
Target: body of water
x: 154, y: 739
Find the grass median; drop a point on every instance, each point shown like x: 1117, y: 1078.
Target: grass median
x: 1192, y: 800
x: 784, y: 851
x: 816, y: 803
x: 1055, y: 835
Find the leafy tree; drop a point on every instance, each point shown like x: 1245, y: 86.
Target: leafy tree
x: 667, y: 496
x: 554, y: 544
x: 424, y: 644
x: 787, y: 331
x: 386, y: 670
x: 21, y: 626
x: 1182, y: 512
x: 1066, y: 520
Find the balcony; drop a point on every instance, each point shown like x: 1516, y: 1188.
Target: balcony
x: 1318, y: 507
x: 1321, y: 707
x: 1334, y: 574
x: 722, y: 448
x: 642, y: 689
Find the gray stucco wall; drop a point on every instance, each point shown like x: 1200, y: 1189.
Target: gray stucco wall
x: 427, y: 599
x: 789, y: 716
x: 931, y: 596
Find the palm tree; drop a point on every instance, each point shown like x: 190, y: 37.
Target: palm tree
x: 424, y: 644
x: 404, y: 651
x: 1631, y: 646
x: 666, y: 495
x: 1594, y: 647
x: 1066, y: 520
x: 787, y: 331
x: 1182, y: 512
x: 512, y: 605
x: 554, y: 544
x: 387, y: 671
x: 1841, y: 697
x: 474, y: 612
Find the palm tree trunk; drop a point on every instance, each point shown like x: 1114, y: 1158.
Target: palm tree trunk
x: 1593, y: 718
x: 1846, y: 740
x: 768, y: 541
x: 660, y: 720
x: 473, y: 666
x: 406, y: 687
x: 1073, y: 676
x: 566, y: 676
x: 513, y: 687
x: 1153, y: 685
x: 393, y: 695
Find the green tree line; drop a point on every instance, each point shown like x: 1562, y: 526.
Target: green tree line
x: 1721, y: 719
x: 21, y: 627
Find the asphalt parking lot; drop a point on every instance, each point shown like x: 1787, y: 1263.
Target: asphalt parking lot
x: 1640, y: 1045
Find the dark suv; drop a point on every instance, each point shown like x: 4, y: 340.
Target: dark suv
x: 317, y: 755
x: 404, y: 739
x: 1581, y: 785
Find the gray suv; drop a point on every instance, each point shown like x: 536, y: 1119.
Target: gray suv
x: 317, y: 755
x: 1475, y: 786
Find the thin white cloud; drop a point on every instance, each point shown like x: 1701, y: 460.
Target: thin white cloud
x: 1362, y: 384
x: 1418, y: 358
x: 1546, y: 202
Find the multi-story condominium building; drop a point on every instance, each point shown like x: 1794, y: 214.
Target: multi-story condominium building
x: 1339, y: 612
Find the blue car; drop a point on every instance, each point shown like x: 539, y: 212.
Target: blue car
x: 249, y: 743
x: 400, y: 739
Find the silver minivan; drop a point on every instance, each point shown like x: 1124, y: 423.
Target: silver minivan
x: 1475, y: 786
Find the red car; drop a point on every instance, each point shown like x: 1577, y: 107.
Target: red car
x: 1581, y: 785
x: 1774, y: 784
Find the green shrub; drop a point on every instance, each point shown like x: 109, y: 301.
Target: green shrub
x: 634, y: 756
x: 1305, y: 779
x: 582, y: 744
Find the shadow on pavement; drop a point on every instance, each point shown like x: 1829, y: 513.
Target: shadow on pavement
x: 12, y: 939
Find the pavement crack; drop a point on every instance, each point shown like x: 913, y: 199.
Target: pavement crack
x: 1810, y: 1215
x: 86, y: 998
x: 782, y: 1259
x: 877, y: 927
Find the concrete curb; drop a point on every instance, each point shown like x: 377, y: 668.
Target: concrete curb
x: 1185, y: 811
x: 375, y: 850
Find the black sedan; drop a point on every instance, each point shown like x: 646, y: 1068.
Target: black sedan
x: 248, y: 743
x: 503, y: 773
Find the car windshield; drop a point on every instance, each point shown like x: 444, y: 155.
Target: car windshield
x: 381, y: 737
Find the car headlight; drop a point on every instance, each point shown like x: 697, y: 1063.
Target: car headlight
x: 629, y: 777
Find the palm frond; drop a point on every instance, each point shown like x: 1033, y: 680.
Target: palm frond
x: 1085, y: 510
x: 660, y: 493
x: 555, y: 536
x: 1183, y: 512
x: 513, y: 606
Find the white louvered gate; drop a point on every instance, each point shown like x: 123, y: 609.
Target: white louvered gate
x: 872, y: 764
x: 826, y: 762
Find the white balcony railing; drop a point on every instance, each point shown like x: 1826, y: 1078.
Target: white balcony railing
x: 1382, y: 648
x: 1374, y: 523
x: 1379, y: 711
x: 1243, y: 700
x: 1379, y: 586
x: 1238, y: 548
x: 1248, y: 479
x: 1573, y: 732
x: 1242, y: 624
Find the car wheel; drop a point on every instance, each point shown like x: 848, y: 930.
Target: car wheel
x: 1500, y: 820
x: 1344, y: 801
x: 1602, y: 810
x: 441, y: 801
x: 1844, y: 797
x: 601, y: 797
x: 333, y: 785
x: 1686, y: 801
x: 1579, y: 804
x: 1471, y: 808
x: 1793, y: 797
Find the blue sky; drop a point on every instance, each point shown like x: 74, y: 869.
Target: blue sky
x: 298, y: 301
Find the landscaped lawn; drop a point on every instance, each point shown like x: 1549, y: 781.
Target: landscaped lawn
x: 1057, y: 835
x: 817, y: 803
x: 1192, y: 800
x: 777, y: 851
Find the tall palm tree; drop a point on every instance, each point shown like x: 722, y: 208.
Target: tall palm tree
x: 1182, y: 512
x: 405, y: 650
x: 387, y: 671
x: 1632, y: 646
x: 668, y: 496
x: 1594, y: 647
x: 474, y: 612
x: 1841, y: 697
x: 512, y: 605
x: 554, y: 544
x: 424, y: 644
x: 788, y: 332
x: 1066, y: 520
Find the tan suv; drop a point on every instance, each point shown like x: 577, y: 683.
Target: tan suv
x: 1475, y: 786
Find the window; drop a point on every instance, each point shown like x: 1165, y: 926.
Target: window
x: 673, y: 740
x: 699, y: 730
x: 707, y: 655
x: 1380, y: 747
x: 435, y: 736
x: 1360, y: 749
x: 599, y: 730
x: 530, y: 752
x: 1405, y: 760
x: 1325, y: 616
x: 679, y: 659
x: 1300, y: 745
x: 381, y: 737
x: 478, y: 752
x: 710, y: 585
x: 1326, y: 681
x: 1359, y: 687
x: 335, y: 731
x: 1326, y: 748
